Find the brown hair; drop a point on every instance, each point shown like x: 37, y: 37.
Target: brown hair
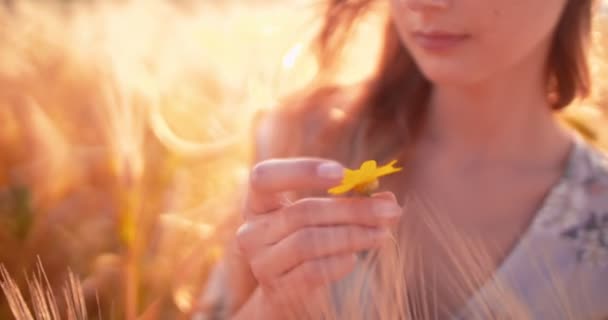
x: 397, y: 78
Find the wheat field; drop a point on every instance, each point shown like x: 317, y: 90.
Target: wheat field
x: 125, y: 136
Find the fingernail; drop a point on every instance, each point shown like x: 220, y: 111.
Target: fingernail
x: 330, y: 170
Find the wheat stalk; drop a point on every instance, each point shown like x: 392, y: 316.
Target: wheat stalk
x: 44, y: 305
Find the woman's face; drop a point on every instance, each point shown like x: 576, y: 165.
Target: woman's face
x: 465, y: 42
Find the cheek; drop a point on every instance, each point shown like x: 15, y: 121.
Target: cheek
x: 517, y: 30
x: 504, y: 33
x: 524, y: 15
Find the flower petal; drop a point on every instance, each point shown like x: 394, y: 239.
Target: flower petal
x: 367, y: 172
x: 350, y: 175
x: 343, y: 188
x: 387, y: 169
x: 368, y: 166
x: 363, y: 177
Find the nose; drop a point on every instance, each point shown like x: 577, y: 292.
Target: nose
x: 426, y: 5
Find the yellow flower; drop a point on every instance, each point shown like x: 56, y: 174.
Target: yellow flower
x: 365, y: 179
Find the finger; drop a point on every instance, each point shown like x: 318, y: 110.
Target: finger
x: 311, y: 212
x: 265, y: 230
x: 386, y: 195
x: 317, y: 273
x: 272, y: 177
x: 315, y: 243
x: 243, y: 235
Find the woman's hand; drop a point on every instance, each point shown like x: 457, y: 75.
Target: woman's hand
x: 295, y: 248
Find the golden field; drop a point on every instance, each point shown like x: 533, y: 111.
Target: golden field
x: 125, y: 137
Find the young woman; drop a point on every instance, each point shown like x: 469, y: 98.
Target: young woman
x: 500, y: 212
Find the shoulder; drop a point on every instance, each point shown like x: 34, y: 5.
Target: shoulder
x: 589, y: 228
x: 565, y: 264
x: 296, y: 123
x: 576, y: 211
x: 589, y: 178
x: 588, y: 173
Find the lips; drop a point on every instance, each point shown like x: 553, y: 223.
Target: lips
x: 439, y: 41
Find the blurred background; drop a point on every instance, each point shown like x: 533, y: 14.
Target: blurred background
x: 125, y: 138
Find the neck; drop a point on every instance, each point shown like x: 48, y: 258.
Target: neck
x: 496, y: 119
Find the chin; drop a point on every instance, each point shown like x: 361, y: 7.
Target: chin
x: 442, y: 77
x: 450, y: 75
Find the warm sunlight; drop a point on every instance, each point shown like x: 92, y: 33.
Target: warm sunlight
x: 126, y: 141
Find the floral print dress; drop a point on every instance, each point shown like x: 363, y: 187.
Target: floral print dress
x: 559, y: 268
